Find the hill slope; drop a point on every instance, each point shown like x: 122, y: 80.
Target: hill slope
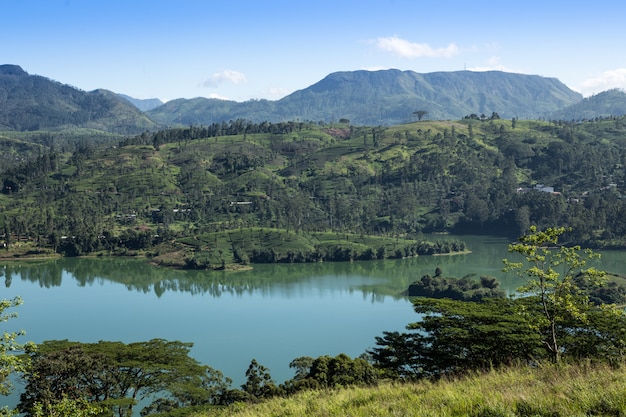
x: 545, y: 391
x: 388, y: 97
x: 605, y: 104
x: 32, y: 102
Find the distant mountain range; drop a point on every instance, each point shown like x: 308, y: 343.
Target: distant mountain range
x: 387, y: 97
x: 608, y: 103
x: 33, y: 102
x: 143, y: 104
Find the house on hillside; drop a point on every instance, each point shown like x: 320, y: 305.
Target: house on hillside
x: 538, y: 187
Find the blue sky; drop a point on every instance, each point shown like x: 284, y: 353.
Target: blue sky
x: 241, y: 50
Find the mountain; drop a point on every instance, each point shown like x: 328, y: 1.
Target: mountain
x: 608, y: 103
x: 388, y: 97
x: 202, y: 111
x: 32, y: 102
x: 142, y: 104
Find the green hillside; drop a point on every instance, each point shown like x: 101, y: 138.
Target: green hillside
x: 181, y: 190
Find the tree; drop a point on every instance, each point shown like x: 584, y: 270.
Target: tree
x: 551, y: 272
x: 420, y: 114
x: 116, y: 375
x: 457, y: 336
x: 10, y: 361
x: 330, y: 372
x: 341, y: 370
x: 302, y: 366
x: 400, y: 355
x: 259, y: 383
x: 463, y: 289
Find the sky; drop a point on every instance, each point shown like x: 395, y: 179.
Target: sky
x: 254, y: 49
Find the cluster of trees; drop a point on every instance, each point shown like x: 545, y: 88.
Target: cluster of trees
x: 464, y: 289
x: 551, y: 319
x: 230, y: 128
x: 347, y: 252
x: 64, y: 378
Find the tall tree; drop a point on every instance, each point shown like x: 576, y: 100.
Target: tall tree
x: 420, y: 114
x: 553, y: 275
x: 259, y: 383
x: 457, y: 336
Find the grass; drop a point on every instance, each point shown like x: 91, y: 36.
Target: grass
x: 567, y: 391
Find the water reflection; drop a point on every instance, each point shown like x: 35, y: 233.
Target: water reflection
x: 373, y: 278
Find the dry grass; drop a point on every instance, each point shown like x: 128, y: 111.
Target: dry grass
x: 581, y: 390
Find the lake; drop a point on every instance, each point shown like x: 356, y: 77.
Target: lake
x: 273, y: 313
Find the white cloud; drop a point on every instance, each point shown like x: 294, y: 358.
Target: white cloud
x: 408, y: 49
x: 276, y: 93
x: 605, y: 81
x: 225, y: 76
x: 214, y: 95
x: 493, y: 64
x: 375, y: 68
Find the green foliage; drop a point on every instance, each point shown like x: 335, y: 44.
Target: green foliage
x: 550, y: 318
x: 330, y: 372
x: 553, y: 274
x: 266, y: 245
x: 457, y: 336
x: 401, y: 355
x: 68, y: 408
x: 259, y: 383
x: 463, y: 289
x: 11, y: 362
x: 117, y: 376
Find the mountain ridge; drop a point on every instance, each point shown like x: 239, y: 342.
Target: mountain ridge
x: 142, y: 104
x: 375, y: 98
x: 33, y: 102
x: 388, y: 97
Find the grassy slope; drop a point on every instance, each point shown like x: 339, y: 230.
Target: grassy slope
x: 581, y: 390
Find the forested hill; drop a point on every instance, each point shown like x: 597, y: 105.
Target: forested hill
x: 205, y: 186
x: 32, y: 102
x: 388, y: 97
x: 604, y: 104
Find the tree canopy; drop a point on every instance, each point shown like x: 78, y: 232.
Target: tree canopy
x: 118, y: 376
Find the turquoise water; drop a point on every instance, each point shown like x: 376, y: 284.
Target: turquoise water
x: 273, y: 313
